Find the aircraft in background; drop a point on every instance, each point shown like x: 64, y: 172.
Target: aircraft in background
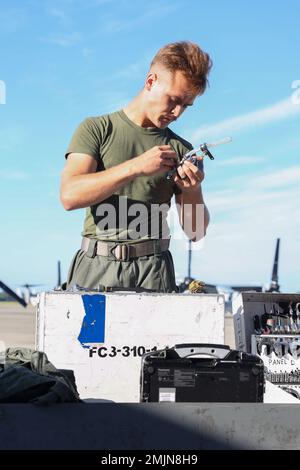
x: 10, y: 294
x: 26, y: 293
x: 229, y: 290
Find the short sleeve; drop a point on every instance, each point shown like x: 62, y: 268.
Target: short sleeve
x: 86, y: 139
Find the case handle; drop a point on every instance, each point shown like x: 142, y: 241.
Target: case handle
x: 195, y: 349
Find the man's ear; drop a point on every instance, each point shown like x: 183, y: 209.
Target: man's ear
x: 150, y: 80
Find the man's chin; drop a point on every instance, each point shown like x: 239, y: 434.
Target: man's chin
x: 163, y: 123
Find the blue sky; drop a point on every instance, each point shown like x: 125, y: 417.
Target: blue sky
x: 61, y: 61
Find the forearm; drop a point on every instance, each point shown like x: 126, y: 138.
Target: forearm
x: 82, y: 186
x: 85, y: 190
x: 193, y: 214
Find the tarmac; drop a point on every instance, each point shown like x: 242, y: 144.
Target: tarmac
x: 17, y: 326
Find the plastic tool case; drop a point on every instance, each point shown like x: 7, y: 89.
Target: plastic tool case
x: 201, y: 373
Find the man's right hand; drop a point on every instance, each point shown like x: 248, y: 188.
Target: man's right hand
x: 82, y: 186
x: 158, y: 159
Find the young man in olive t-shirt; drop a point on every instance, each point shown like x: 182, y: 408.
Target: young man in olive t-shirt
x: 116, y: 168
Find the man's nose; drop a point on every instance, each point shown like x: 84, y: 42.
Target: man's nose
x: 177, y: 110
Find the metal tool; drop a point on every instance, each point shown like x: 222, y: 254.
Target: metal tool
x: 293, y: 319
x: 267, y: 323
x: 294, y: 348
x: 191, y: 155
x: 297, y: 311
x: 264, y: 346
x: 257, y: 325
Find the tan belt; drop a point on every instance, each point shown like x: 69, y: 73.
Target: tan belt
x: 123, y: 251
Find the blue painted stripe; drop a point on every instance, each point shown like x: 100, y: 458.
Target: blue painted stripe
x: 93, y: 325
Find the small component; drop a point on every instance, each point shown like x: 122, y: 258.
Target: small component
x: 192, y: 154
x: 257, y: 325
x: 264, y: 346
x: 297, y: 310
x: 294, y: 348
x: 277, y: 347
x: 196, y: 287
x: 264, y: 319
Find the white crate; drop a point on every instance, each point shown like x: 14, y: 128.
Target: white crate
x: 116, y: 329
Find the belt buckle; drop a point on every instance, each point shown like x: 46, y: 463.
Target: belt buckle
x: 121, y: 252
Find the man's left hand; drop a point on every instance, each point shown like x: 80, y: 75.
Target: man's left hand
x: 188, y: 176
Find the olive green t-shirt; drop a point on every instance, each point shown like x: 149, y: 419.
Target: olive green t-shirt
x: 139, y: 209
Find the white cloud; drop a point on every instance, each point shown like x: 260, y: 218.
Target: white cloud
x: 257, y: 191
x: 96, y: 3
x: 239, y: 198
x: 64, y: 40
x: 153, y: 13
x: 58, y: 13
x: 286, y: 176
x: 110, y: 101
x: 280, y: 110
x: 135, y: 70
x: 87, y: 52
x: 240, y: 161
x: 13, y: 175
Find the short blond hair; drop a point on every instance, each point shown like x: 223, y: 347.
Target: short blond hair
x: 190, y: 59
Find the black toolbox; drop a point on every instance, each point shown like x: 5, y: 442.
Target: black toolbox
x: 201, y: 373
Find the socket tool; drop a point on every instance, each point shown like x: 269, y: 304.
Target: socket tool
x: 192, y: 154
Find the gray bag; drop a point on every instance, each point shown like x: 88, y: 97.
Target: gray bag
x: 27, y: 376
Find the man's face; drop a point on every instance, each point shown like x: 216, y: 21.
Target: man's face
x: 169, y: 94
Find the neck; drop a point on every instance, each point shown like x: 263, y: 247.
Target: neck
x: 135, y: 111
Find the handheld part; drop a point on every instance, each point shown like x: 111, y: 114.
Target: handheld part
x: 191, y: 155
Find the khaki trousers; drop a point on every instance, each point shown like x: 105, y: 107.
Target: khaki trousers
x: 154, y: 272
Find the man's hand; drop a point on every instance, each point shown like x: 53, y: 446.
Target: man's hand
x: 158, y: 159
x: 190, y: 203
x: 189, y: 176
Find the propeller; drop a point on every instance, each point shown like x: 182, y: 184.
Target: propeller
x: 274, y: 286
x: 13, y: 294
x: 58, y: 274
x: 28, y: 286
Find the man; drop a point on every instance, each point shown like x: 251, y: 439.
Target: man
x: 116, y: 168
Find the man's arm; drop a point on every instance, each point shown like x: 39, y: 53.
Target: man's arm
x: 82, y: 186
x: 192, y: 211
x: 193, y: 214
